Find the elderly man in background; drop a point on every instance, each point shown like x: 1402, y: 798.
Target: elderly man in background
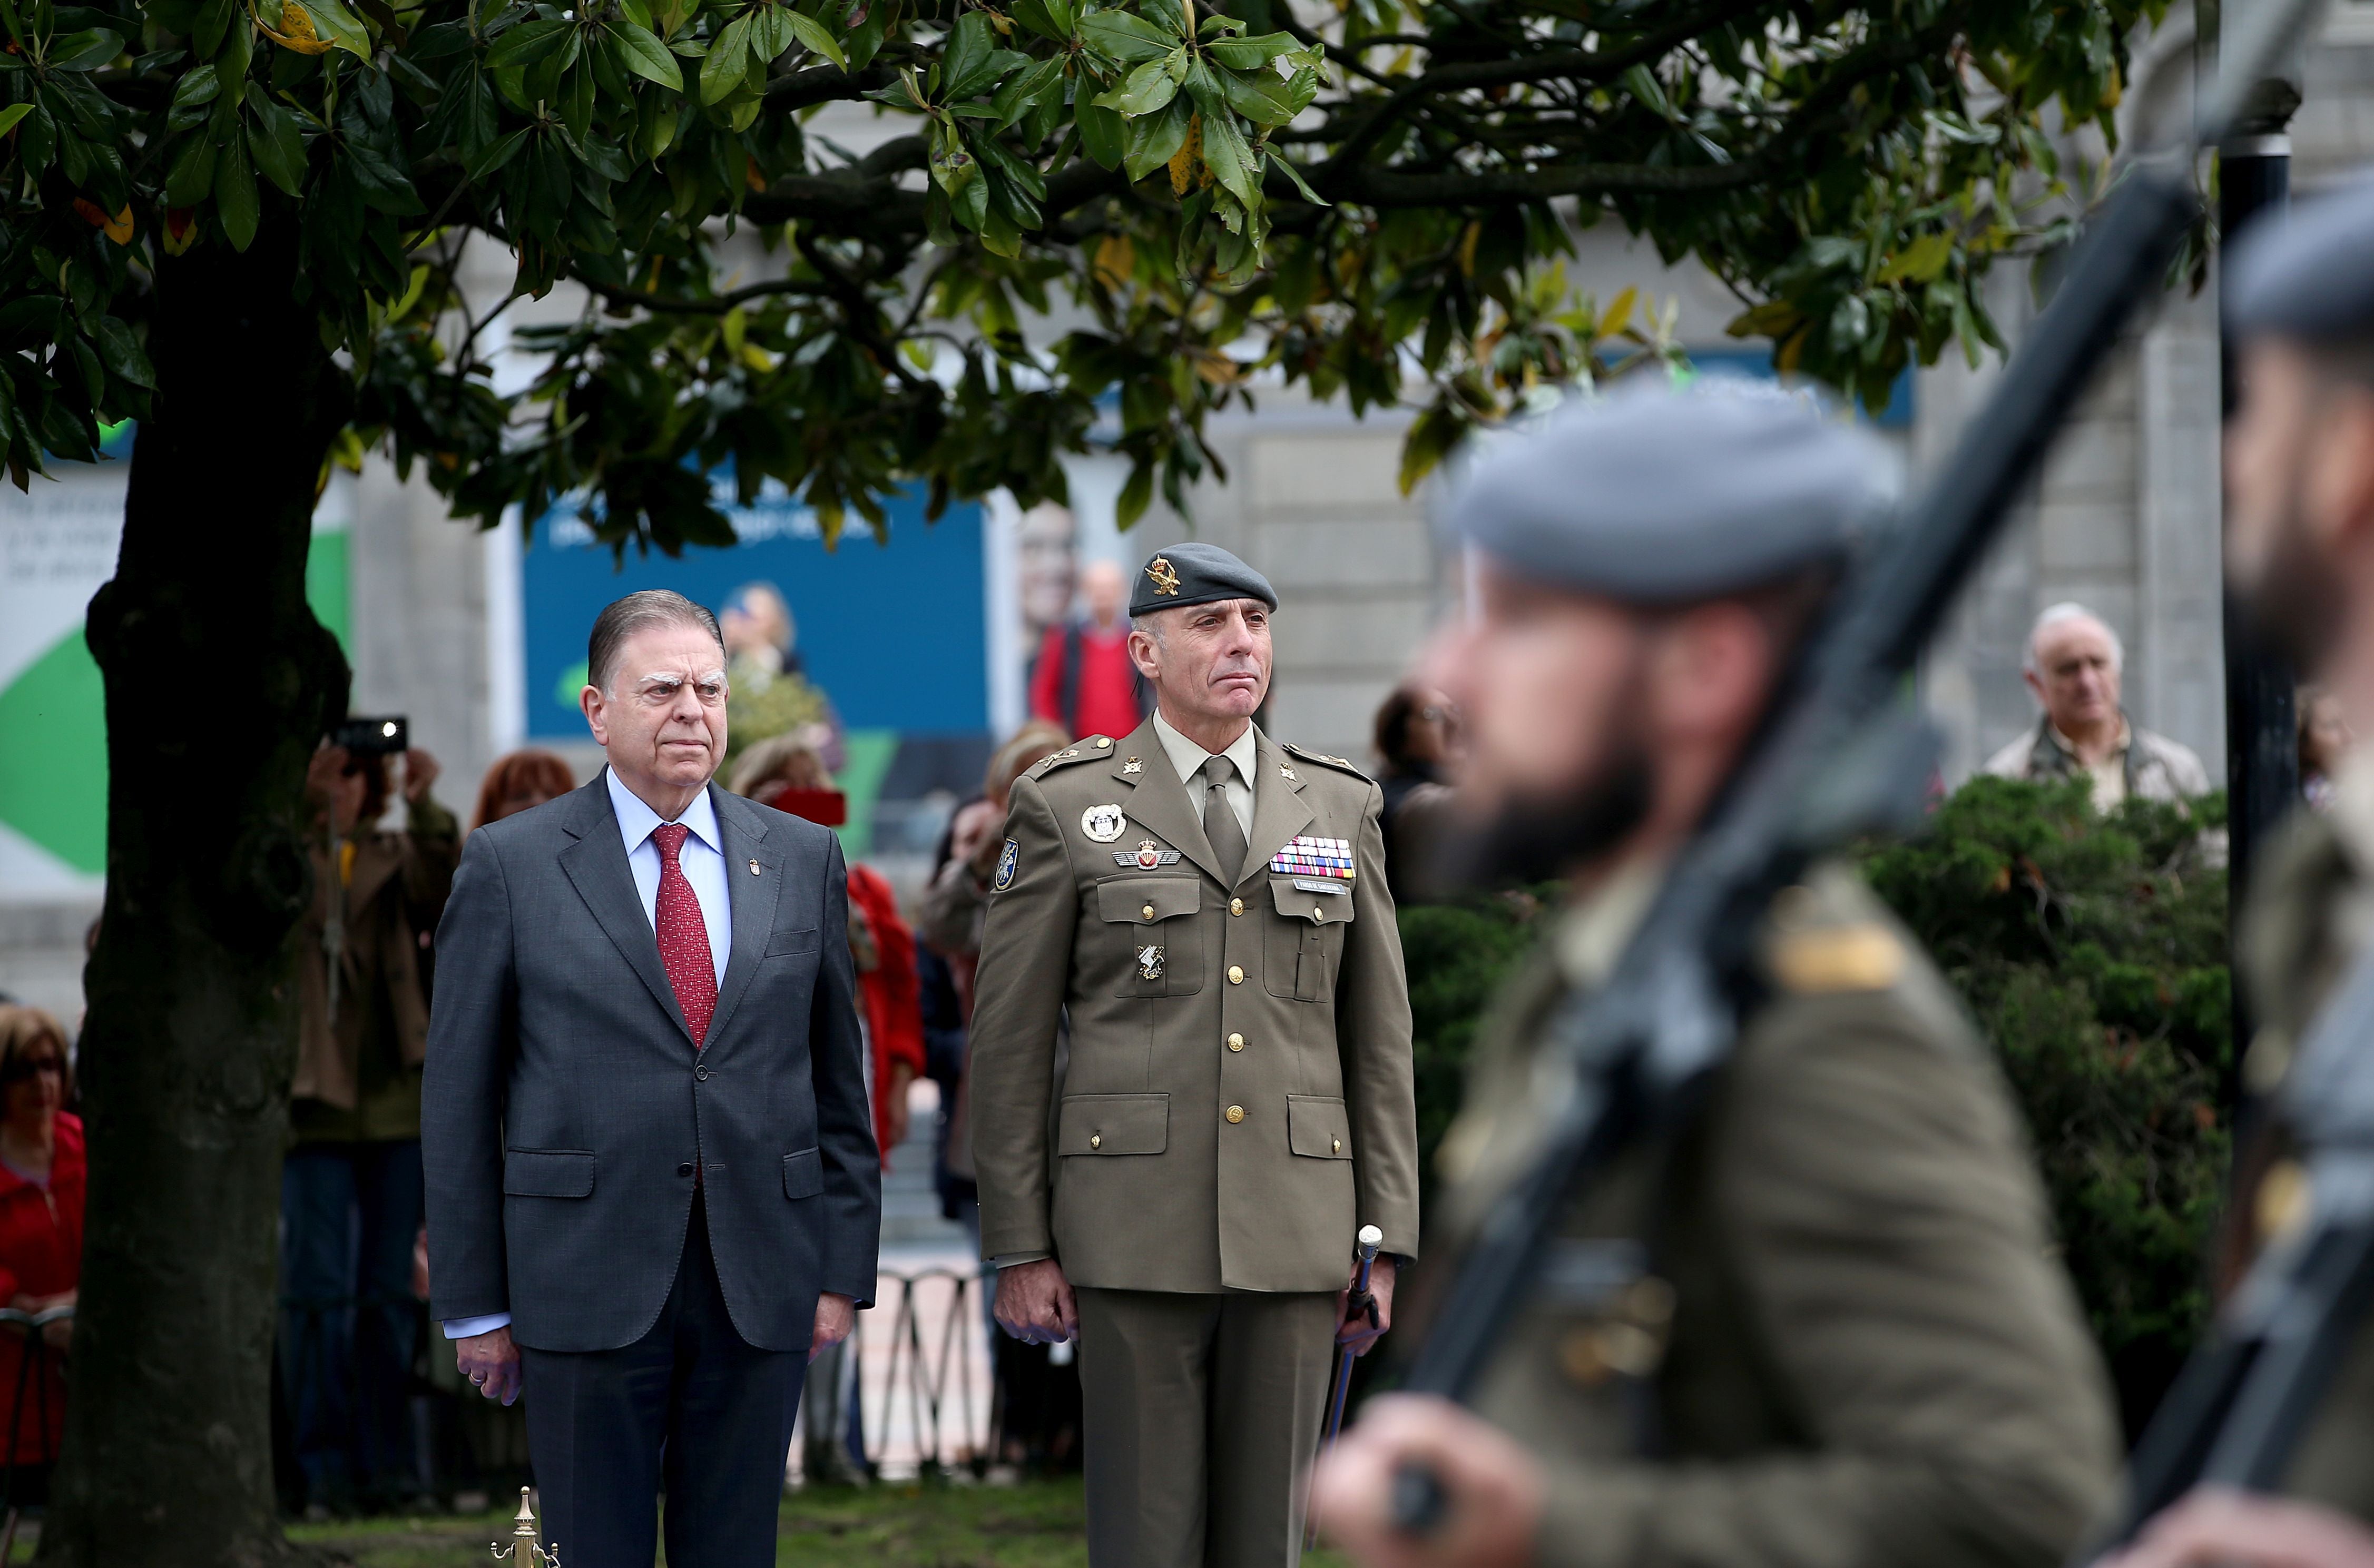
x: 2073, y: 664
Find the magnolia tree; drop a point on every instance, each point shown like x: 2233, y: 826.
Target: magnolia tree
x: 241, y: 222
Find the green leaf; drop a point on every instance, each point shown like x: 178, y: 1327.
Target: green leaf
x: 332, y: 22
x: 190, y: 95
x: 500, y: 154
x: 235, y: 199
x: 1260, y: 98
x: 1153, y: 138
x: 1145, y: 90
x: 1245, y: 53
x: 1921, y: 261
x: 1023, y: 89
x: 1125, y: 37
x: 721, y: 73
x: 85, y: 51
x: 1104, y: 135
x: 527, y: 43
x: 1038, y: 17
x: 279, y: 150
x: 191, y: 174
x: 641, y: 51
x: 1230, y: 160
x: 1277, y: 160
x: 122, y: 353
x: 813, y: 33
x: 10, y: 115
x: 966, y: 59
x: 214, y: 20
x: 1135, y: 496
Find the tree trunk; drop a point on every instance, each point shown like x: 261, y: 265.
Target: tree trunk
x: 219, y: 682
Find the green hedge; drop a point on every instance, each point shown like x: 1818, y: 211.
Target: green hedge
x: 2092, y: 953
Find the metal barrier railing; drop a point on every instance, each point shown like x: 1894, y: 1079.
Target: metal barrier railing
x: 926, y: 1386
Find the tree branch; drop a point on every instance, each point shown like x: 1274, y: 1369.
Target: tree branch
x: 825, y: 84
x: 717, y: 305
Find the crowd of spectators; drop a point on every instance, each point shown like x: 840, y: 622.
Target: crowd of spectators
x: 41, y: 1181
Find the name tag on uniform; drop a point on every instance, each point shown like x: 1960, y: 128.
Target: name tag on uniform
x: 1312, y: 885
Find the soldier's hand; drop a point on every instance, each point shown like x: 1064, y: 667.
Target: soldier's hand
x: 1492, y: 1489
x: 1035, y: 1303
x: 1356, y: 1334
x: 2215, y: 1527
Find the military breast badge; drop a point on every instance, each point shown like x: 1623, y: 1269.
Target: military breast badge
x: 1103, y: 823
x: 1163, y: 575
x: 1147, y: 855
x: 1150, y: 962
x: 1008, y: 863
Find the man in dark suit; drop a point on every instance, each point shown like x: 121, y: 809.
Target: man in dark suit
x: 653, y: 1192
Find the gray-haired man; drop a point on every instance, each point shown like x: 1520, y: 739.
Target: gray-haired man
x: 2075, y: 664
x: 653, y: 1186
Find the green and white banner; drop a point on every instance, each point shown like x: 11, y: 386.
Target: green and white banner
x: 57, y: 545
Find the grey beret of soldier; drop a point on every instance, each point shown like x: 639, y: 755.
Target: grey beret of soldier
x: 1663, y: 495
x: 1195, y: 574
x: 2310, y: 273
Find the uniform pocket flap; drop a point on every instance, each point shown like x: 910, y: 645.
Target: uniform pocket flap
x: 801, y: 941
x: 1146, y: 900
x: 1318, y: 1127
x: 1305, y: 903
x: 549, y: 1173
x: 804, y: 1173
x: 1114, y: 1124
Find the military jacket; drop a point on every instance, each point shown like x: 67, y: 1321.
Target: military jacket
x: 1817, y: 1323
x: 2308, y: 920
x: 1238, y: 1098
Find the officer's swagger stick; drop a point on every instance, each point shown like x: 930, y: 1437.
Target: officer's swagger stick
x: 1359, y: 1304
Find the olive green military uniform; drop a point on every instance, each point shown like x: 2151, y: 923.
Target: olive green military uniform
x: 1818, y: 1323
x: 2308, y: 922
x: 1238, y: 1103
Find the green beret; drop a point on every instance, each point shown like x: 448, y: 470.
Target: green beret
x: 1659, y: 496
x: 1196, y: 574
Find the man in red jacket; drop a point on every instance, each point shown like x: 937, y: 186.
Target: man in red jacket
x: 1083, y: 679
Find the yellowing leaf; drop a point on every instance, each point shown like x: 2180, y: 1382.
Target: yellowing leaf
x: 1190, y: 154
x: 180, y: 230
x: 1468, y: 248
x: 1921, y: 261
x: 1619, y: 310
x: 1116, y: 258
x: 298, y: 34
x: 119, y: 227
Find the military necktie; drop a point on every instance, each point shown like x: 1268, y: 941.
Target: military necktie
x: 1220, y: 825
x: 685, y: 952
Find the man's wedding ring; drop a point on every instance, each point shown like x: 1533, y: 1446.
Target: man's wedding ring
x: 479, y: 1378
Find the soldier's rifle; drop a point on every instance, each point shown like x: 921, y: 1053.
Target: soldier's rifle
x: 1842, y: 752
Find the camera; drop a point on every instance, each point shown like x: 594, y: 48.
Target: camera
x: 374, y: 737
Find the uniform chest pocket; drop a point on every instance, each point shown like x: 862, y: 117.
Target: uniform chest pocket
x: 1150, y: 936
x: 1305, y: 939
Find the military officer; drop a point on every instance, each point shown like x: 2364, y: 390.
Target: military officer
x: 1816, y: 1321
x: 2299, y: 550
x: 1208, y: 909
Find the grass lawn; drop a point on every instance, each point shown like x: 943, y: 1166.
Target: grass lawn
x: 1037, y: 1525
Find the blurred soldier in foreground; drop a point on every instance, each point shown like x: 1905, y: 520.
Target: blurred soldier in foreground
x: 1815, y: 1322
x: 2299, y: 548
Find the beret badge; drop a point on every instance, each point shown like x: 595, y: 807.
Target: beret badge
x: 1164, y: 577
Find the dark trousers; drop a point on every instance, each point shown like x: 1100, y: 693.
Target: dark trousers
x: 350, y: 1324
x: 1203, y: 1414
x: 689, y: 1403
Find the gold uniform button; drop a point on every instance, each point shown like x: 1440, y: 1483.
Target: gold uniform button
x: 1236, y: 974
x: 1236, y: 1113
x: 1236, y: 1042
x: 1148, y: 912
x: 1096, y: 1140
x: 1102, y: 743
x: 1236, y: 906
x: 1334, y: 1145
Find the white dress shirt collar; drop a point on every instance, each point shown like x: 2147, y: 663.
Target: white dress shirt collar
x: 636, y: 819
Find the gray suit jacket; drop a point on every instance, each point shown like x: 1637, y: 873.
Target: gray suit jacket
x: 564, y: 1107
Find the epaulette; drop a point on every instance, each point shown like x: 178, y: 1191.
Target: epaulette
x: 1815, y: 949
x: 1089, y: 746
x: 1345, y: 763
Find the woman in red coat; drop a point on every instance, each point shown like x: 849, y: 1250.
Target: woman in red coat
x: 41, y: 1175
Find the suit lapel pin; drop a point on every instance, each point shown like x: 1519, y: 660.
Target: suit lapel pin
x: 754, y: 868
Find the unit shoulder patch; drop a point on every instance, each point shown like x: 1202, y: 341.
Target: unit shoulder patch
x: 1344, y: 764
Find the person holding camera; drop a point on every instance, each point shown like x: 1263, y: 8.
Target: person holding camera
x: 350, y: 1321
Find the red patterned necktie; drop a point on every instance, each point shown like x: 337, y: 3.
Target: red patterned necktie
x: 684, y: 936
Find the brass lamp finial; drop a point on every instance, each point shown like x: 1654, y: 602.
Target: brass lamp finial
x: 524, y: 1553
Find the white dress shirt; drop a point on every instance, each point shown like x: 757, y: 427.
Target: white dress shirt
x: 1189, y: 758
x: 703, y: 861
